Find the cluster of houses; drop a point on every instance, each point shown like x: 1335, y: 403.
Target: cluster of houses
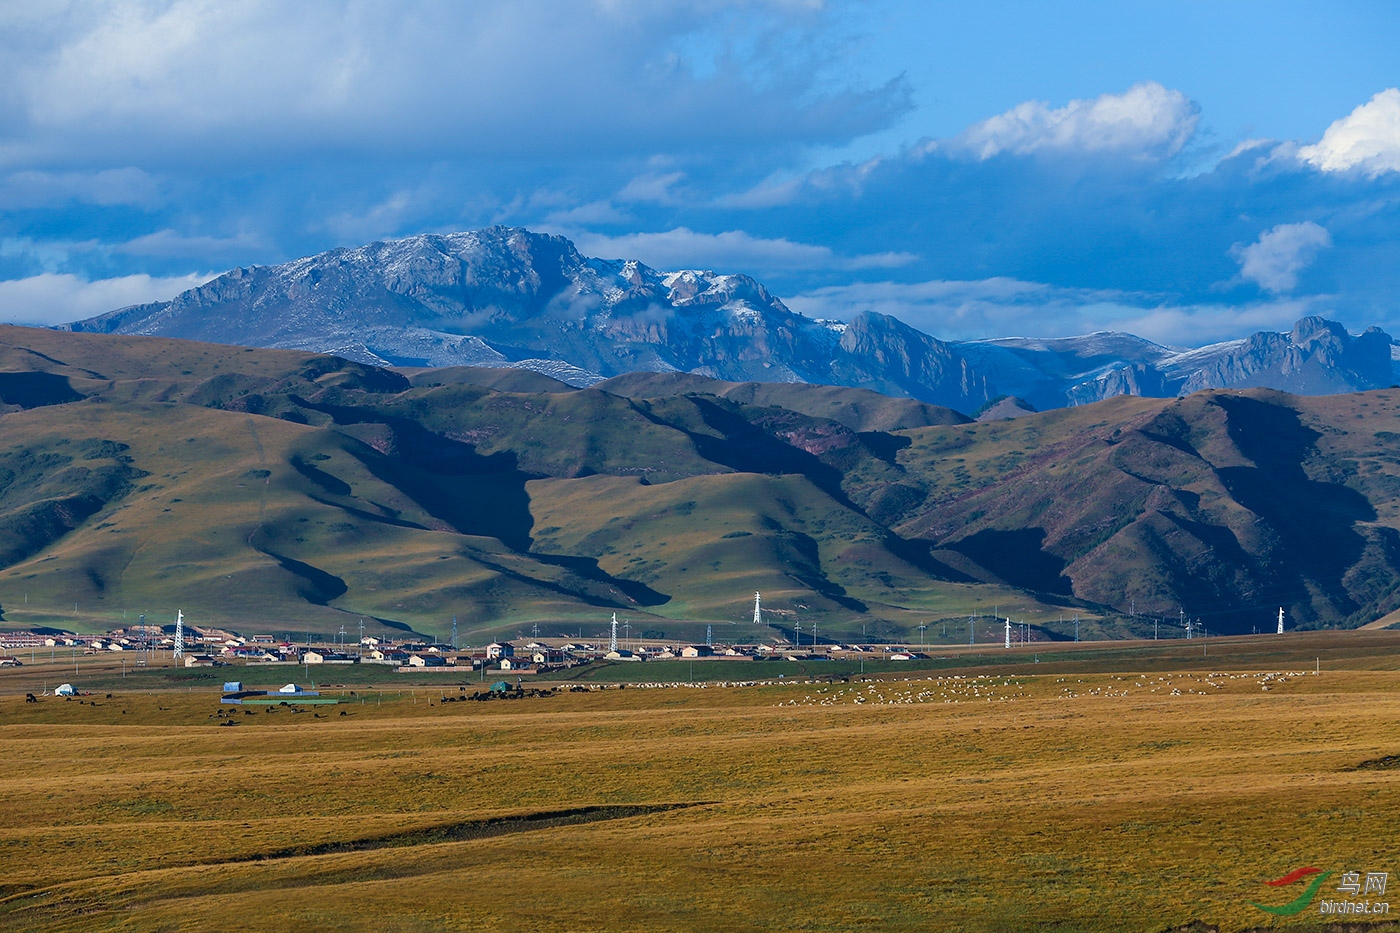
x: 212, y: 647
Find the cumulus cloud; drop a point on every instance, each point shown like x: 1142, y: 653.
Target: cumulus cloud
x: 1274, y: 261
x: 58, y: 298
x: 731, y: 251
x: 1146, y: 120
x: 1368, y: 139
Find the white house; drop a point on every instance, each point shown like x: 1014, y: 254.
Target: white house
x: 500, y: 649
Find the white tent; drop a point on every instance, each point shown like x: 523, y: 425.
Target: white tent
x: 64, y: 690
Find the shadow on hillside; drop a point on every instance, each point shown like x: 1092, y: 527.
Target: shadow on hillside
x: 474, y: 494
x: 587, y: 568
x: 748, y: 448
x: 325, y: 481
x: 316, y: 585
x: 35, y: 390
x: 1314, y: 521
x: 1017, y: 558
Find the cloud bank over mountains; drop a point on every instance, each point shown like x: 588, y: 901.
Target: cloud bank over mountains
x: 146, y: 144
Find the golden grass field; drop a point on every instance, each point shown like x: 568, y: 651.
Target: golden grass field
x: 974, y: 799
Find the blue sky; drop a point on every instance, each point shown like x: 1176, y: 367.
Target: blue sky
x: 1188, y: 171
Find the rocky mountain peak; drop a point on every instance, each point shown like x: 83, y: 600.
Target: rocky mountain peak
x: 507, y: 296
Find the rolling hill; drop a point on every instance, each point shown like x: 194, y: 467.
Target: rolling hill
x: 276, y: 490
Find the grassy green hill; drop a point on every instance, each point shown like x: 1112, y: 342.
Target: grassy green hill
x: 277, y: 491
x: 857, y: 409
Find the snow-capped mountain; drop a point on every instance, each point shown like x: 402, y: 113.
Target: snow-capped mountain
x: 506, y: 296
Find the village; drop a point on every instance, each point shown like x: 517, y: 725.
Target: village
x: 209, y: 647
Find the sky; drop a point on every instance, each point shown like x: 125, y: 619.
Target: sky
x: 1186, y: 171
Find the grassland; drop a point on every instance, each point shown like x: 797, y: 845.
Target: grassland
x: 1112, y: 788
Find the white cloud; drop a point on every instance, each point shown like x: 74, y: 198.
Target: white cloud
x: 731, y: 251
x: 652, y: 188
x: 195, y: 80
x: 60, y: 298
x: 170, y: 244
x: 1275, y: 259
x: 958, y: 309
x: 1368, y: 139
x: 593, y: 212
x: 1145, y: 120
x: 1001, y: 307
x: 771, y: 192
x: 1199, y: 325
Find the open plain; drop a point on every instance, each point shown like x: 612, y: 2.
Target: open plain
x: 1082, y: 796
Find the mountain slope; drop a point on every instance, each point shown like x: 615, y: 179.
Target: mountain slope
x: 335, y: 490
x: 272, y: 489
x: 1222, y: 505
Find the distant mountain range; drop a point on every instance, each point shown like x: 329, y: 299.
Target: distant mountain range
x: 508, y: 297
